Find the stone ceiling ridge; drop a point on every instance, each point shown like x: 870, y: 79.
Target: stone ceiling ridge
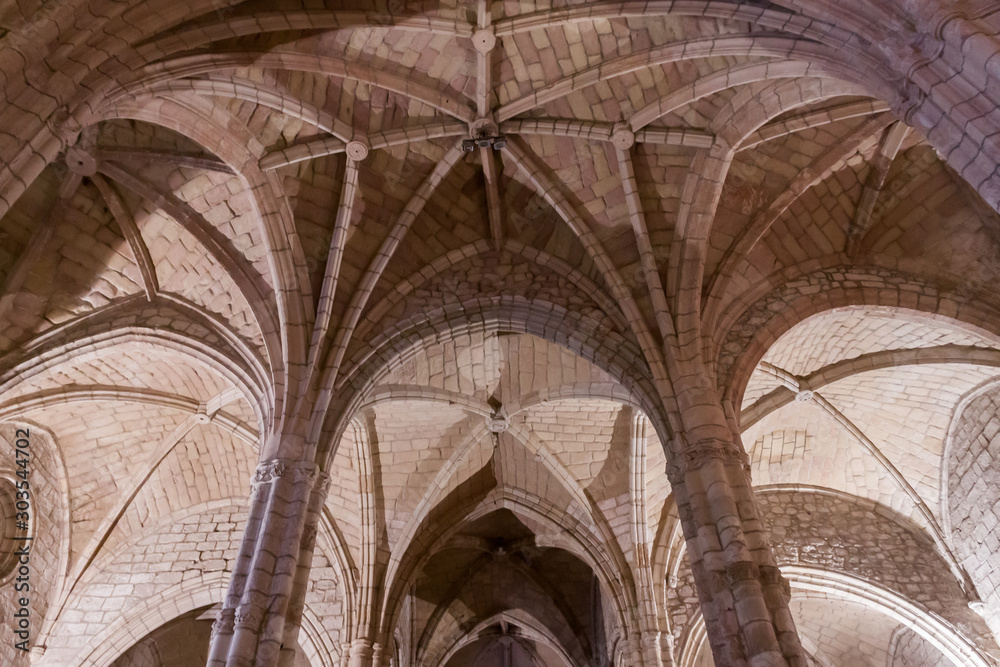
x: 548, y: 333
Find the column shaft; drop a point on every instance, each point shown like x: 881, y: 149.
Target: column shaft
x: 744, y: 598
x: 307, y: 545
x: 251, y: 626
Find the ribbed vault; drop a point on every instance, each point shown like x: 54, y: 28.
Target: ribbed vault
x: 493, y: 273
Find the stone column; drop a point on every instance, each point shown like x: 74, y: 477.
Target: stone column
x: 365, y: 654
x: 744, y: 598
x: 251, y: 625
x: 307, y: 545
x: 950, y: 82
x: 666, y: 642
x: 652, y: 650
x: 647, y: 642
x: 361, y: 654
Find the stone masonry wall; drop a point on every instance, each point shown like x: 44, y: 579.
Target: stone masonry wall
x: 908, y: 649
x: 973, y: 467
x: 842, y: 534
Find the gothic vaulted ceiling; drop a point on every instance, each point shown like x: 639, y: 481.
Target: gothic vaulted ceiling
x: 443, y: 236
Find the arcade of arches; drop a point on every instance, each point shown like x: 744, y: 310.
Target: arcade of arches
x: 487, y: 333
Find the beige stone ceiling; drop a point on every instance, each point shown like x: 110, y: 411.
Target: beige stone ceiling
x: 148, y: 308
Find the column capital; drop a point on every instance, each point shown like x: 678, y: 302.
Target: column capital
x: 270, y: 471
x: 263, y: 601
x: 248, y: 616
x: 224, y: 623
x: 693, y: 456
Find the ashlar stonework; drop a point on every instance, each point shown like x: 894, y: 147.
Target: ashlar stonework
x: 499, y: 334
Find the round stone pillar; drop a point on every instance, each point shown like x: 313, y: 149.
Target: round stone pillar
x: 744, y: 598
x: 250, y: 629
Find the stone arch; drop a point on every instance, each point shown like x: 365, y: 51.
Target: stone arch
x: 733, y: 125
x: 166, y: 597
x: 668, y: 555
x: 312, y: 640
x: 772, y: 102
x: 593, y: 342
x: 858, y: 551
x: 747, y: 338
x: 613, y: 393
x: 820, y: 584
x: 862, y: 539
x: 200, y: 121
x: 534, y: 630
x: 577, y: 542
x: 954, y: 432
x: 388, y: 393
x: 545, y: 313
x: 946, y: 354
x: 908, y: 648
x: 456, y: 259
x: 946, y: 87
x: 213, y: 130
x: 199, y: 591
x: 92, y: 343
x: 50, y: 518
x: 970, y: 503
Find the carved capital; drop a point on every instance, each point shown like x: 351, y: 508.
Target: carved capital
x: 36, y: 653
x: 248, y: 617
x: 650, y: 640
x: 742, y: 571
x: 771, y: 576
x: 223, y: 625
x: 695, y: 456
x: 275, y: 469
x: 321, y: 487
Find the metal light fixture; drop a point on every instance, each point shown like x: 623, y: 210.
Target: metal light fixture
x: 484, y: 141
